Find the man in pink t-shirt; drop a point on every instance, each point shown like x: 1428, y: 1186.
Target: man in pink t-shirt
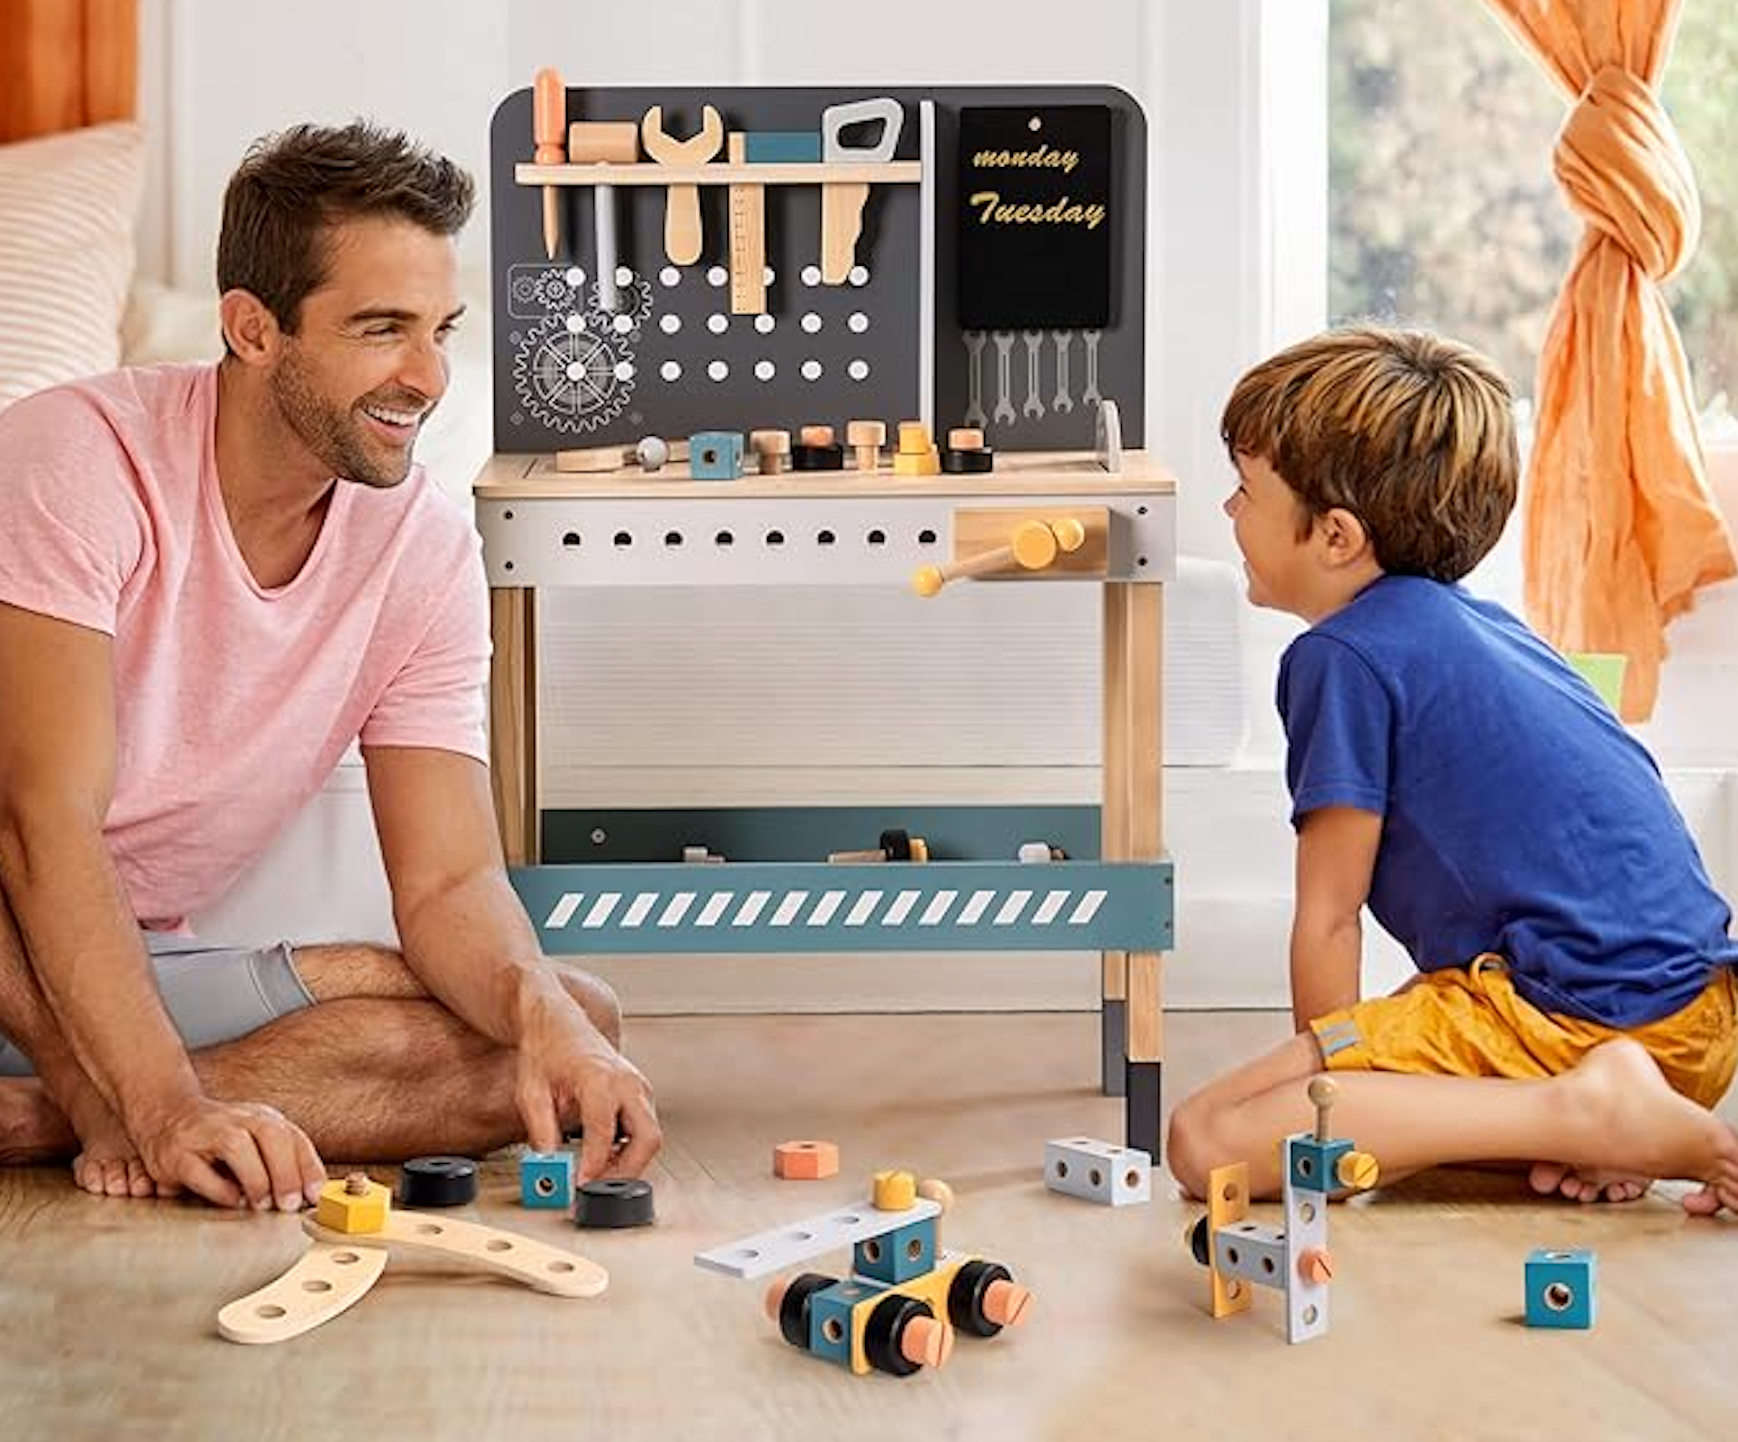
x: 213, y: 579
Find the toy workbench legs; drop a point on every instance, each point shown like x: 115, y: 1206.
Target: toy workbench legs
x: 1132, y: 1041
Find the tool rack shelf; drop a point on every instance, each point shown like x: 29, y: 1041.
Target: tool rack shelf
x: 764, y: 172
x: 544, y: 528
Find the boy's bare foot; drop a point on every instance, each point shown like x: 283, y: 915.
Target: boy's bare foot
x: 1587, y: 1184
x: 31, y: 1128
x: 1635, y: 1124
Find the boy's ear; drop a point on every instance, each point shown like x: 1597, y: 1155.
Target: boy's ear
x: 1344, y: 536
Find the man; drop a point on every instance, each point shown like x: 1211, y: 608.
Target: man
x: 212, y: 580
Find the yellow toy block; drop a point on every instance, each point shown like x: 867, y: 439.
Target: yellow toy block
x: 354, y: 1205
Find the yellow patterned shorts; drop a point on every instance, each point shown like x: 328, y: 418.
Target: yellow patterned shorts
x: 1470, y: 1021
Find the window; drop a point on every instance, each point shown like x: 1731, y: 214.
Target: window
x: 1442, y: 209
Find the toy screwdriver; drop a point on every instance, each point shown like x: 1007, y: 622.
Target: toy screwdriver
x: 549, y: 129
x: 896, y: 845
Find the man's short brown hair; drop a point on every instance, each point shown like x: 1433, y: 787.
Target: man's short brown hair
x: 1412, y: 433
x: 293, y: 187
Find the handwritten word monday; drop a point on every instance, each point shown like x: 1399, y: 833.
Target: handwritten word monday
x: 991, y: 211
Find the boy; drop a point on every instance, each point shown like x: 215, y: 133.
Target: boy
x: 1575, y: 1002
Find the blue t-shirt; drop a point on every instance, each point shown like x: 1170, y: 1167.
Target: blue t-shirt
x: 1518, y: 816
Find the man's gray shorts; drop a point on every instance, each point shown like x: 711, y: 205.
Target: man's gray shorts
x: 213, y: 993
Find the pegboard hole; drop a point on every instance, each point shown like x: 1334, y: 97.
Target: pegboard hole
x: 624, y: 539
x: 571, y: 540
x: 672, y: 538
x: 926, y: 538
x: 878, y: 538
x: 775, y: 538
x: 825, y: 538
x: 724, y: 538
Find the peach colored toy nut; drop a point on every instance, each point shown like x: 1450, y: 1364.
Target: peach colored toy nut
x: 927, y: 1341
x: 805, y: 1161
x: 1006, y: 1303
x: 965, y: 438
x: 816, y: 435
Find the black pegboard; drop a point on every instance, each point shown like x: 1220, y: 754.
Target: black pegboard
x: 568, y: 375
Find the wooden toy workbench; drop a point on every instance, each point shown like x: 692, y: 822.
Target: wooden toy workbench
x: 676, y: 265
x: 542, y: 528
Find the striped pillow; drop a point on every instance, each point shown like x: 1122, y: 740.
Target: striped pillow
x: 67, y: 207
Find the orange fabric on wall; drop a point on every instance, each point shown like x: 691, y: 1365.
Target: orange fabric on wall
x: 66, y: 64
x: 1621, y: 527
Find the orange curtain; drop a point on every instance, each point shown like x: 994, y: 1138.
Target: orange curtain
x: 1620, y: 525
x: 65, y: 64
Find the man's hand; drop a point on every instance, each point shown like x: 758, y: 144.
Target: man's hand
x: 268, y: 1158
x: 568, y: 1073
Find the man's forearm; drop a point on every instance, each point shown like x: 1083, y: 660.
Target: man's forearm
x: 472, y: 947
x: 81, y: 945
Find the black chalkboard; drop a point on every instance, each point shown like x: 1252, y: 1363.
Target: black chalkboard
x: 1034, y: 216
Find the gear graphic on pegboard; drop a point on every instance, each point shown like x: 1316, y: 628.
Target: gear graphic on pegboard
x: 633, y: 304
x: 574, y: 372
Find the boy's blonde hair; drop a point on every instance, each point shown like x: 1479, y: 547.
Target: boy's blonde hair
x: 1412, y: 433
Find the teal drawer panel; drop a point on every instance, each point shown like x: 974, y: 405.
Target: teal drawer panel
x: 808, y: 907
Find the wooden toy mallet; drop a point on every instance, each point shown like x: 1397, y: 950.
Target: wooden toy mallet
x: 1035, y: 545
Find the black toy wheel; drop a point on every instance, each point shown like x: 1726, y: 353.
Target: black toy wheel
x: 793, y: 1307
x: 884, y: 1329
x: 438, y: 1182
x: 1198, y: 1242
x: 965, y: 1297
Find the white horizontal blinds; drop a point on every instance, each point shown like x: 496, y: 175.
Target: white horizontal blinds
x: 67, y: 207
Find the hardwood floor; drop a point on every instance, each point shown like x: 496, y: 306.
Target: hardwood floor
x: 109, y: 1307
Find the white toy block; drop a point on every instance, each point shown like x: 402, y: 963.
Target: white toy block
x: 1098, y: 1171
x: 787, y: 1246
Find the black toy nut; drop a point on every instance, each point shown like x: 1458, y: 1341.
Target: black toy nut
x: 438, y: 1182
x: 615, y: 1202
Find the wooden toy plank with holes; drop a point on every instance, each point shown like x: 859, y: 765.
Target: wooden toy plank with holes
x: 354, y: 1227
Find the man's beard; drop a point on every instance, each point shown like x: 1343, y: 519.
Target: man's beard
x: 336, y: 434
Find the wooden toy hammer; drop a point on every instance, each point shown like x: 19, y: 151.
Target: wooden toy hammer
x: 896, y: 845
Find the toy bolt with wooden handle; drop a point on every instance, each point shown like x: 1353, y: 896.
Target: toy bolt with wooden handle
x: 1357, y: 1171
x: 896, y: 845
x: 1035, y: 545
x: 549, y: 129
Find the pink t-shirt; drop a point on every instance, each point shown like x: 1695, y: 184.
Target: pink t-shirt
x: 232, y: 703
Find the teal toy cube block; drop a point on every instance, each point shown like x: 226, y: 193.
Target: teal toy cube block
x: 1311, y: 1163
x: 1560, y: 1288
x: 830, y: 1318
x: 546, y: 1179
x: 899, y: 1255
x: 715, y: 455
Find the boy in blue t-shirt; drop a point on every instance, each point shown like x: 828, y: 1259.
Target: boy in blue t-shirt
x: 1575, y: 1005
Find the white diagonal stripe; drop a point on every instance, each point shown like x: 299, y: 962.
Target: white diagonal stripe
x: 1087, y: 909
x: 751, y: 908
x: 636, y: 913
x: 864, y: 908
x: 789, y: 907
x: 979, y: 903
x: 564, y: 909
x: 677, y: 909
x: 1047, y: 909
x: 716, y: 905
x: 601, y: 909
x: 1012, y: 907
x: 937, y: 908
x: 825, y: 907
x: 901, y: 908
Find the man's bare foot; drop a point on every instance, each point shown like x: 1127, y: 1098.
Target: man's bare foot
x: 1636, y: 1125
x: 1587, y: 1184
x: 31, y: 1128
x: 108, y: 1164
